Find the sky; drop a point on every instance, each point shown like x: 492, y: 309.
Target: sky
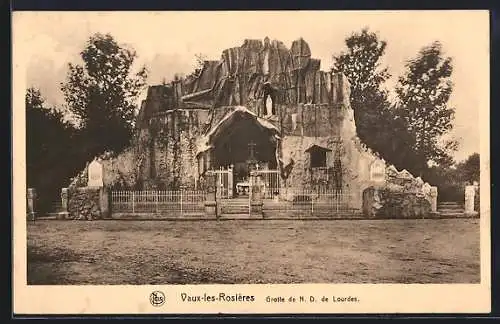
x: 167, y: 42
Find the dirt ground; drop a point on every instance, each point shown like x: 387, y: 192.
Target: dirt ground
x: 260, y: 251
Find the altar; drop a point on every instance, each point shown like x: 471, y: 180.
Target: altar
x: 243, y: 188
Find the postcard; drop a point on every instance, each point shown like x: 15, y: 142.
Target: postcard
x: 251, y: 162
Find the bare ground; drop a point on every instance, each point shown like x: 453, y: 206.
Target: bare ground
x: 260, y: 251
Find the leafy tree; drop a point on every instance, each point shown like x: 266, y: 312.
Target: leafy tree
x: 451, y: 180
x: 423, y: 93
x: 470, y: 168
x: 102, y: 94
x: 49, y: 162
x: 377, y: 125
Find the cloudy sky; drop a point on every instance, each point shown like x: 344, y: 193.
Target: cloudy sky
x: 167, y: 42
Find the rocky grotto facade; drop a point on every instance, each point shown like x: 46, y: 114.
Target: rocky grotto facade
x: 261, y: 106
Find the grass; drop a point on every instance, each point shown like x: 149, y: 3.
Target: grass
x: 202, y: 252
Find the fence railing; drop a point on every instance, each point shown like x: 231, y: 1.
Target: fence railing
x: 312, y: 201
x: 271, y: 182
x: 224, y: 182
x: 183, y: 202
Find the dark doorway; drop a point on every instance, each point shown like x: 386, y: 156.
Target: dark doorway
x: 243, y: 143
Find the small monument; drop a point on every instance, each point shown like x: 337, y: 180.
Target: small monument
x: 64, y: 214
x: 469, y: 200
x: 433, y: 197
x: 95, y: 174
x: 251, y: 162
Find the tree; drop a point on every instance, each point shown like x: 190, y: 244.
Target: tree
x: 470, y: 168
x: 102, y: 94
x: 423, y: 93
x: 199, y: 63
x: 377, y: 126
x: 49, y: 162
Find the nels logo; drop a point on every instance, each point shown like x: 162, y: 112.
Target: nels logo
x: 157, y: 298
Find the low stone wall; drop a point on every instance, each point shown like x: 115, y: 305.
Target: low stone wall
x: 386, y: 203
x: 84, y: 203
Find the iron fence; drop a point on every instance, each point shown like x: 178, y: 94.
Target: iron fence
x: 301, y: 202
x: 224, y: 182
x: 271, y: 182
x: 182, y: 202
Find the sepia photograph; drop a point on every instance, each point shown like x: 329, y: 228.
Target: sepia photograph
x: 252, y: 148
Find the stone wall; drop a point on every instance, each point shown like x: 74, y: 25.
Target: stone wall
x: 169, y: 149
x: 386, y: 203
x: 294, y: 153
x: 356, y: 159
x: 119, y: 171
x: 84, y: 203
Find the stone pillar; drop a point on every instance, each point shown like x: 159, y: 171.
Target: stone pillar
x: 256, y: 202
x: 31, y: 197
x: 104, y: 203
x: 433, y: 198
x: 469, y: 200
x: 64, y: 214
x: 210, y: 196
x: 230, y: 181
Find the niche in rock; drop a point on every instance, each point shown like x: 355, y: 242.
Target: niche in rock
x: 269, y: 100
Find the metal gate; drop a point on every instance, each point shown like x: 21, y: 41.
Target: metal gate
x: 224, y: 181
x: 271, y: 182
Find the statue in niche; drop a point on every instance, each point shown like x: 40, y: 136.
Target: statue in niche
x: 269, y: 100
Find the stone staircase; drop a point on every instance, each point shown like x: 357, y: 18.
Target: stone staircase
x: 54, y: 213
x: 234, y: 208
x: 450, y: 209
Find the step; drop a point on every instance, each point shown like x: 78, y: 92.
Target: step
x: 237, y: 203
x: 451, y: 214
x: 47, y: 217
x: 450, y: 210
x: 451, y: 207
x: 234, y: 208
x: 226, y: 216
x: 234, y: 211
x: 450, y: 204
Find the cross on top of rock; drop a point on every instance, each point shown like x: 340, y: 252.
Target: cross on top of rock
x: 251, y: 147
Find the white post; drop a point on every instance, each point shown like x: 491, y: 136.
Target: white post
x: 157, y: 197
x: 181, y: 202
x: 312, y: 205
x: 230, y: 181
x: 469, y: 200
x: 133, y: 201
x: 434, y: 196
